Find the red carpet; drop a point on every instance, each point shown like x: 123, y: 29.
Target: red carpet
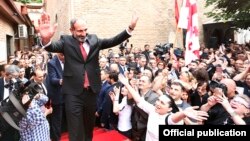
x: 101, y: 135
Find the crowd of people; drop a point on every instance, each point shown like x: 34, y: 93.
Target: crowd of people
x: 139, y: 89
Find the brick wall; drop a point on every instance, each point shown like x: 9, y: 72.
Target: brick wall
x: 108, y: 17
x: 5, y: 29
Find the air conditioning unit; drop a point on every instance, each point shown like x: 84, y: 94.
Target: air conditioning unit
x: 22, y: 31
x: 31, y: 31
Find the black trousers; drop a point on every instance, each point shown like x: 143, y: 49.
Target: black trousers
x: 10, y: 134
x: 80, y: 113
x: 56, y: 121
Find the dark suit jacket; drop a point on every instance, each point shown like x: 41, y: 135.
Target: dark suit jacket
x: 108, y: 117
x: 1, y: 88
x: 121, y: 69
x: 53, y: 81
x: 101, y: 96
x: 75, y: 66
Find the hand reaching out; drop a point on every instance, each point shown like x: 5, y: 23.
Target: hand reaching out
x: 123, y: 79
x: 195, y: 114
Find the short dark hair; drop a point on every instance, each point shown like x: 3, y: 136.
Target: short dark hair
x: 72, y: 22
x: 178, y: 84
x: 113, y: 75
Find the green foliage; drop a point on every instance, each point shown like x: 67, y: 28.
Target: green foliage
x: 24, y: 1
x: 37, y: 1
x: 30, y: 1
x: 237, y: 11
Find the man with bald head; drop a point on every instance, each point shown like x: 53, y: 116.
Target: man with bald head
x: 231, y: 87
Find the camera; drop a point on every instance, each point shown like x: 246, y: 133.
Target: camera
x: 160, y: 50
x: 12, y: 109
x: 215, y: 84
x: 124, y: 45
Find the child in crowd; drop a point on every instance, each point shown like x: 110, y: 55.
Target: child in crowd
x: 34, y: 126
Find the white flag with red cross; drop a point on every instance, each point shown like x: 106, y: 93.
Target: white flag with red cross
x: 189, y: 20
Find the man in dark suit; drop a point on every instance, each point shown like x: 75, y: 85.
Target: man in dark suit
x: 101, y: 95
x: 81, y: 76
x: 122, y: 64
x: 7, y: 132
x: 54, y: 82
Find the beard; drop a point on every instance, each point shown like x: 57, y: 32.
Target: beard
x: 80, y: 38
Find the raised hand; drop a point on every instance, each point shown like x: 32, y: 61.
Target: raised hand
x: 223, y: 100
x: 134, y: 20
x: 123, y: 79
x: 112, y: 95
x: 45, y: 29
x: 116, y: 90
x: 211, y: 101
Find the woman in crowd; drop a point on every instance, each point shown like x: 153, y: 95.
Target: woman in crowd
x: 123, y: 108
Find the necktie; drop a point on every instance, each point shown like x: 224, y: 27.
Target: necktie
x: 84, y: 55
x: 44, y: 92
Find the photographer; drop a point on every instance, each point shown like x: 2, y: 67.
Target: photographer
x: 123, y: 48
x: 160, y: 51
x: 6, y: 86
x: 146, y: 51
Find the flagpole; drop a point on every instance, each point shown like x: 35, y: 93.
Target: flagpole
x: 177, y: 20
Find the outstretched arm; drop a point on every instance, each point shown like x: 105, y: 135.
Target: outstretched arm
x: 210, y: 103
x: 136, y: 96
x: 189, y: 112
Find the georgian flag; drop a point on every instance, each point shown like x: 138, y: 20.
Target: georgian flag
x: 189, y: 20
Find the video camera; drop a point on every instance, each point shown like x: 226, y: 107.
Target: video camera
x: 12, y: 109
x: 160, y: 50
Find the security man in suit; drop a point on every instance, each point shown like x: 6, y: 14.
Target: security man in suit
x: 54, y: 81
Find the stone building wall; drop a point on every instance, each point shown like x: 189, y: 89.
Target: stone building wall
x: 6, y: 29
x: 106, y: 18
